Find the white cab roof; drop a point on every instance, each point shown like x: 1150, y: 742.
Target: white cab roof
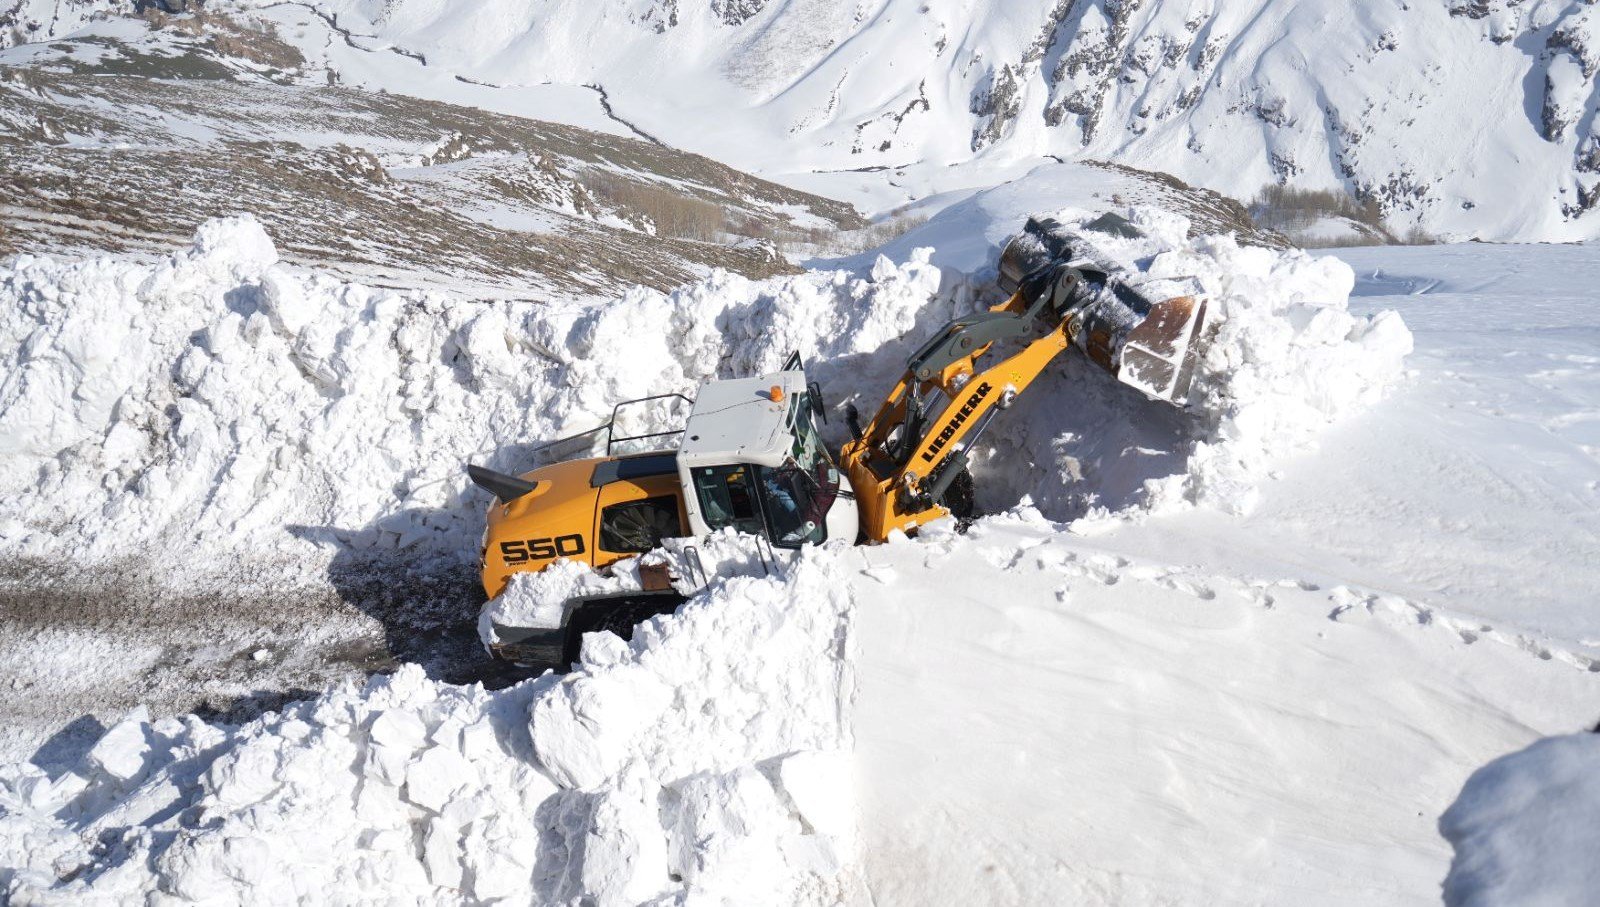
x: 737, y: 421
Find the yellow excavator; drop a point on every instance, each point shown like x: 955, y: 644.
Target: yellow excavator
x: 750, y: 457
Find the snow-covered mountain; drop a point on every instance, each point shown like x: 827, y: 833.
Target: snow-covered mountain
x: 1468, y: 118
x: 123, y: 138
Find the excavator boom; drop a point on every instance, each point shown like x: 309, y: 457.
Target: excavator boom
x: 906, y: 462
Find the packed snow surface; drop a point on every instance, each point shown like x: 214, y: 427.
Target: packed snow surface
x: 1044, y: 718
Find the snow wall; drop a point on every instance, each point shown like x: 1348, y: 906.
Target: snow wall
x: 215, y: 407
x: 218, y: 414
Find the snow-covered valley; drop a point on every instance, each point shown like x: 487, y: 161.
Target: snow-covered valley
x: 272, y: 274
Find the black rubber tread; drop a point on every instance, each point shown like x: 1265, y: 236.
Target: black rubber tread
x: 617, y: 613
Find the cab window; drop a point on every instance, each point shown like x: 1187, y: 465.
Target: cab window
x: 796, y: 496
x: 638, y: 526
x: 794, y: 506
x: 727, y: 497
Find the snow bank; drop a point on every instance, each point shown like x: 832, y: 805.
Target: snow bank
x: 217, y: 407
x: 1287, y: 359
x: 1524, y: 827
x: 700, y: 762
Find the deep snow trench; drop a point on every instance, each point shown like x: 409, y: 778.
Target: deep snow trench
x: 216, y: 402
x: 228, y: 420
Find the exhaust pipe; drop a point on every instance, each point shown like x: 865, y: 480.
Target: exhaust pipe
x: 505, y: 488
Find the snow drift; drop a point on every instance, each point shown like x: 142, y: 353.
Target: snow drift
x: 1524, y: 827
x: 662, y: 772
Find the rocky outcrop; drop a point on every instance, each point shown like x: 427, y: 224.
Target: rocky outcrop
x: 736, y: 12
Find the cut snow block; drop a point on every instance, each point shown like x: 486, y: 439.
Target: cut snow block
x: 248, y: 774
x: 400, y: 729
x: 625, y: 850
x: 819, y: 786
x: 584, y: 729
x: 721, y: 831
x: 441, y: 854
x: 436, y: 776
x: 123, y: 751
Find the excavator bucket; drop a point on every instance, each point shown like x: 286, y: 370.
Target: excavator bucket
x: 1148, y: 341
x: 1160, y: 354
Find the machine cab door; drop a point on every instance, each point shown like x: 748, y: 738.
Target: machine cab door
x: 637, y: 508
x: 727, y: 497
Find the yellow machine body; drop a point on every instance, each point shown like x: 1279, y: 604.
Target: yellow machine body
x: 560, y: 517
x: 887, y: 494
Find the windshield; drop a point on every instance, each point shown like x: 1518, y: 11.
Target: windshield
x: 795, y: 497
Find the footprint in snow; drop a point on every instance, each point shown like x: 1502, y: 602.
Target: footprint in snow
x: 1104, y: 569
x: 1010, y: 559
x: 885, y: 575
x: 1344, y: 601
x: 1189, y: 586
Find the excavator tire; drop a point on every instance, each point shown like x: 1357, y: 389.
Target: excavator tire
x: 961, y: 497
x: 616, y: 613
